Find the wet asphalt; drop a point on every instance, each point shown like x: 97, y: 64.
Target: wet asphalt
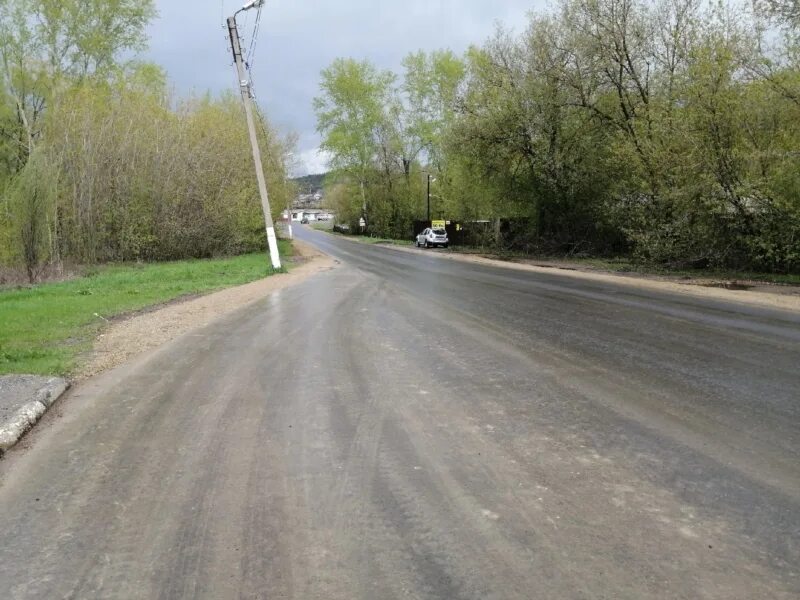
x: 410, y: 427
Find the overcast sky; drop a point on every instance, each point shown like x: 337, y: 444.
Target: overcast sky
x: 299, y: 38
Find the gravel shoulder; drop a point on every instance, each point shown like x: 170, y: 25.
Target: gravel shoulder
x: 132, y: 335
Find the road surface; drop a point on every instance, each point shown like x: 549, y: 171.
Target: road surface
x: 410, y: 427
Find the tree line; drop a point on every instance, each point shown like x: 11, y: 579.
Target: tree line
x: 665, y: 130
x: 99, y: 162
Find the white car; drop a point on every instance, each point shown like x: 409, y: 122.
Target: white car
x: 433, y: 237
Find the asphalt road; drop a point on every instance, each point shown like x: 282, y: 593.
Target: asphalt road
x: 410, y: 427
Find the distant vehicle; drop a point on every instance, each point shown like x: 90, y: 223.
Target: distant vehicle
x: 304, y: 221
x: 433, y: 237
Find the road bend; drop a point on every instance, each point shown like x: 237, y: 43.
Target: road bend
x: 410, y: 427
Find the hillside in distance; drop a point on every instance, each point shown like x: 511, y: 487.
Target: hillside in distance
x: 310, y: 184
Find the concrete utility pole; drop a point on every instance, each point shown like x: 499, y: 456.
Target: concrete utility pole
x: 289, y: 205
x: 244, y: 85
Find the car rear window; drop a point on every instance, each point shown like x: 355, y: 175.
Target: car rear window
x: 439, y: 232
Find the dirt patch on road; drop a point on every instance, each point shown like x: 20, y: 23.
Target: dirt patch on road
x: 134, y: 334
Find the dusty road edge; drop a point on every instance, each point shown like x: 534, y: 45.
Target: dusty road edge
x: 136, y: 334
x: 23, y: 420
x: 13, y: 429
x: 747, y: 297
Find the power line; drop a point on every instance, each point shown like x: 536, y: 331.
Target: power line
x: 251, y: 53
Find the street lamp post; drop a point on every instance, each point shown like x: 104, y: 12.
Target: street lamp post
x: 429, y: 196
x: 431, y: 180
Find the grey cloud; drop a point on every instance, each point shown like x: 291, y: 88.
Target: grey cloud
x: 299, y: 39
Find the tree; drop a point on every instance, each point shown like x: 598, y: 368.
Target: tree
x: 99, y: 163
x: 45, y: 45
x: 785, y: 11
x: 656, y: 128
x: 351, y: 116
x: 431, y: 84
x: 33, y: 195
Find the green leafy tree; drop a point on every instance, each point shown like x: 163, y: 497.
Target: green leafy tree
x: 46, y: 45
x: 667, y: 130
x: 351, y: 116
x: 431, y: 84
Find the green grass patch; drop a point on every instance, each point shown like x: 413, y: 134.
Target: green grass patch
x: 365, y: 239
x: 386, y: 241
x: 323, y: 226
x: 44, y: 328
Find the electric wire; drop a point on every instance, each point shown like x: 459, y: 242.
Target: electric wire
x: 251, y: 53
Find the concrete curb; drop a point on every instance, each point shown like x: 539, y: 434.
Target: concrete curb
x: 12, y: 430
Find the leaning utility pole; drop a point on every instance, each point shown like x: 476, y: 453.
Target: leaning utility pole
x: 244, y: 85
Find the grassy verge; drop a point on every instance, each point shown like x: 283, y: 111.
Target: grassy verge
x: 44, y: 328
x: 384, y: 241
x: 363, y: 239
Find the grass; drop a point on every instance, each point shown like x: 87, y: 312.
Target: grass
x: 43, y: 329
x: 363, y: 239
x: 324, y: 226
x: 385, y: 241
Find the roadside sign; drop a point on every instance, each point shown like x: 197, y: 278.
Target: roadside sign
x: 438, y: 224
x: 362, y: 222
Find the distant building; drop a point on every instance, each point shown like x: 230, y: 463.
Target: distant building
x: 311, y: 214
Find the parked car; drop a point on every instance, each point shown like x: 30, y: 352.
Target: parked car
x: 304, y: 221
x: 432, y: 238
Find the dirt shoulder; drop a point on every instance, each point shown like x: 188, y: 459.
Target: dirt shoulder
x: 783, y: 297
x: 140, y: 332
